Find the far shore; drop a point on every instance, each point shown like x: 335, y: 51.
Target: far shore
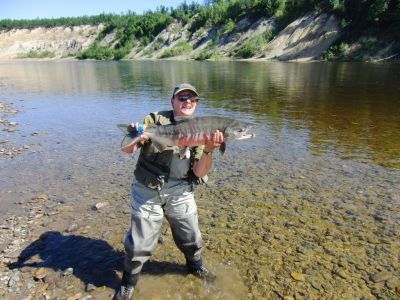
x: 57, y: 59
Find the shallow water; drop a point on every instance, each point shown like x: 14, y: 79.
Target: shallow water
x: 322, y: 178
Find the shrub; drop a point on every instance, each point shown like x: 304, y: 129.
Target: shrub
x: 205, y: 54
x: 229, y: 26
x: 251, y: 47
x: 37, y: 54
x: 336, y: 52
x: 370, y: 44
x: 95, y: 52
x: 179, y: 48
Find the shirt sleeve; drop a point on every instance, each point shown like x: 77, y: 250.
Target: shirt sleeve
x: 148, y: 120
x: 198, y: 152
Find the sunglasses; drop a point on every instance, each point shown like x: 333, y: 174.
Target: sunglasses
x: 185, y: 97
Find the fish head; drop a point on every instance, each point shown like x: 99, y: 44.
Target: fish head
x: 239, y: 131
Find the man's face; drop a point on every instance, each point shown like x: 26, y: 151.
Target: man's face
x: 184, y: 103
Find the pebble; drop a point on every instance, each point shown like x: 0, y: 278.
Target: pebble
x: 100, y: 205
x: 340, y: 272
x: 381, y: 276
x: 67, y: 272
x: 75, y: 297
x: 316, y: 285
x: 13, y: 279
x: 297, y: 276
x: 90, y: 287
x: 40, y: 273
x: 42, y: 197
x: 267, y: 237
x: 72, y: 228
x: 392, y: 283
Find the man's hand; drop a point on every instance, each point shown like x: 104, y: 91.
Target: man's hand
x: 213, y: 141
x: 138, y: 143
x: 143, y: 137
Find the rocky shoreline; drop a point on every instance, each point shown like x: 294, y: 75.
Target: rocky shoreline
x: 6, y: 147
x: 286, y: 236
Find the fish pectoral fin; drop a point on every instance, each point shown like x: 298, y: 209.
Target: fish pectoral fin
x: 129, y: 141
x: 184, y: 153
x: 222, y: 148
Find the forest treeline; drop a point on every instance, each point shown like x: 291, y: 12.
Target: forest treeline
x: 132, y: 29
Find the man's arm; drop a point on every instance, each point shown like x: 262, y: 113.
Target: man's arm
x: 202, y: 166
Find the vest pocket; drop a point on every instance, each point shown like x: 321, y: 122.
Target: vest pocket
x: 150, y: 176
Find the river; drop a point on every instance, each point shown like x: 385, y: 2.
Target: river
x: 325, y: 164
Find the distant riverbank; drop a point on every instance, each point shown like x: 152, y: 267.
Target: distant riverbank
x: 312, y: 36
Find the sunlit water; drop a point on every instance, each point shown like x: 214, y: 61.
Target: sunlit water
x: 347, y: 111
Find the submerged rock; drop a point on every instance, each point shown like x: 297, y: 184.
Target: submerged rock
x: 381, y: 276
x: 297, y: 276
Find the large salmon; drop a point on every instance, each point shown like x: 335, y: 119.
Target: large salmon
x: 189, y: 132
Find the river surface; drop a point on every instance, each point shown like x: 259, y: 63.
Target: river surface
x: 325, y: 161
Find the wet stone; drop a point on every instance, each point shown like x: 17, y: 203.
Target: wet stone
x: 392, y: 283
x: 50, y: 280
x: 13, y: 279
x: 381, y: 276
x: 297, y: 276
x: 339, y: 272
x: 72, y: 228
x: 67, y: 272
x: 40, y: 273
x: 100, y: 205
x: 42, y: 197
x: 267, y: 237
x: 90, y: 287
x: 75, y: 297
x: 316, y: 285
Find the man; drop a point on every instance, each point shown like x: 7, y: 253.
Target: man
x: 163, y: 184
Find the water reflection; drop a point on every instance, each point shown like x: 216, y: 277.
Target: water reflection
x: 351, y: 109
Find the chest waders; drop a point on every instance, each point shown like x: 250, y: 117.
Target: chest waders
x: 156, y: 194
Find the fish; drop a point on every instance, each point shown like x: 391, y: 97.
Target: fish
x: 189, y: 132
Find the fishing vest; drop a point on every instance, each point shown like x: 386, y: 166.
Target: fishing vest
x: 153, y: 167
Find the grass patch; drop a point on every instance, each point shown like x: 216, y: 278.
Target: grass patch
x: 253, y: 45
x: 336, y: 52
x: 178, y: 49
x: 95, y: 52
x: 203, y: 55
x: 371, y: 44
x: 37, y: 54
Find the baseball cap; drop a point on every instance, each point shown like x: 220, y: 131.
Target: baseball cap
x: 183, y: 87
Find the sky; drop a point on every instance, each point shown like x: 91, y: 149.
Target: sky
x: 32, y: 9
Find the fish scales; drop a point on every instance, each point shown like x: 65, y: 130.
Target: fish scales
x: 189, y: 132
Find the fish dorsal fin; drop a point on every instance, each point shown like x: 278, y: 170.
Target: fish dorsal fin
x: 182, y: 118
